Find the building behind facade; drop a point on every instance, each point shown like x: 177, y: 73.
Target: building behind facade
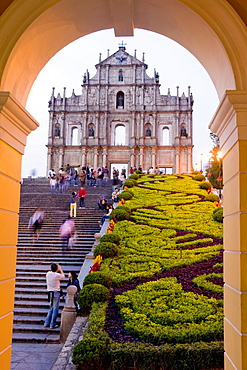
x: 121, y: 118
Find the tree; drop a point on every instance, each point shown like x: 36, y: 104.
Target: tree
x: 215, y: 171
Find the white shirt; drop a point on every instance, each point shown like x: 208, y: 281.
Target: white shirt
x: 53, y: 281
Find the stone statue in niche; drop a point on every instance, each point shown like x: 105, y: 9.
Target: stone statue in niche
x: 148, y: 132
x: 91, y: 132
x: 183, y: 131
x: 57, y: 131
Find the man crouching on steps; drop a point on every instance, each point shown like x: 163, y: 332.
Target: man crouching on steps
x: 53, y: 278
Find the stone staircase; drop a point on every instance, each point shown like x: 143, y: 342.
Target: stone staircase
x: 33, y: 261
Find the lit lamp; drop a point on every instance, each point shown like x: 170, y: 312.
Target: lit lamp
x: 201, y: 158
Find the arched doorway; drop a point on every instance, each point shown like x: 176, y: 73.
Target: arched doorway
x: 26, y: 46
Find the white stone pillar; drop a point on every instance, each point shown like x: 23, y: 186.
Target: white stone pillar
x: 60, y: 161
x: 177, y: 155
x: 104, y: 156
x: 95, y: 158
x: 49, y: 158
x: 153, y: 164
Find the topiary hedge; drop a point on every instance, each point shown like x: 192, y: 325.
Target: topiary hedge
x: 92, y: 293
x: 120, y: 213
x: 212, y: 198
x: 218, y: 214
x: 113, y: 238
x: 130, y: 183
x: 134, y: 177
x: 126, y: 195
x: 107, y: 250
x: 98, y: 277
x: 205, y: 185
x: 199, y: 177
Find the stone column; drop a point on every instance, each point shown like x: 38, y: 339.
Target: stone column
x: 83, y: 157
x: 49, y: 158
x: 104, y: 157
x: 132, y: 158
x: 230, y: 125
x: 60, y: 160
x: 15, y: 124
x: 177, y: 155
x: 141, y: 158
x: 153, y: 164
x: 95, y: 158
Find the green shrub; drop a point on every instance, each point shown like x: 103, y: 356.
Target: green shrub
x: 92, y: 293
x: 218, y: 214
x: 120, y: 213
x: 134, y: 177
x: 98, y: 277
x: 138, y: 172
x: 107, y: 250
x: 126, y: 195
x: 130, y: 183
x: 212, y: 198
x: 199, y: 177
x: 205, y: 185
x: 113, y: 238
x: 90, y: 353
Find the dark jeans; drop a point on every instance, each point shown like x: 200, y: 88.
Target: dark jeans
x: 81, y: 202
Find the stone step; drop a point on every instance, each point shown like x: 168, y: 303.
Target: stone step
x: 35, y: 337
x: 30, y: 328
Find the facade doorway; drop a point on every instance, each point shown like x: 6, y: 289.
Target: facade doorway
x: 121, y: 167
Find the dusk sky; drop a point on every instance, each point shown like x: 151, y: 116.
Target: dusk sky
x: 176, y: 67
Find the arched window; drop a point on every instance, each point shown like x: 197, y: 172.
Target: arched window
x: 119, y: 135
x: 120, y: 75
x: 74, y: 136
x: 165, y: 136
x: 57, y: 130
x: 120, y: 99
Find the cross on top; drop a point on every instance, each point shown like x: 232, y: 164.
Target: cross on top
x: 122, y: 45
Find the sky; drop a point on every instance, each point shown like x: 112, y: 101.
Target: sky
x: 175, y: 65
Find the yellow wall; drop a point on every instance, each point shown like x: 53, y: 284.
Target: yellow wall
x: 31, y: 32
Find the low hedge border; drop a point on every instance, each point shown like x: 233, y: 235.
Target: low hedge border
x: 97, y: 351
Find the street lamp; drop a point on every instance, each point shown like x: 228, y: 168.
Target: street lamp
x: 201, y: 158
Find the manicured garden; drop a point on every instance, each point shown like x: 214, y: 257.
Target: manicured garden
x: 157, y: 301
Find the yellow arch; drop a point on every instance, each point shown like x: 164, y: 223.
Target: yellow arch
x: 31, y: 32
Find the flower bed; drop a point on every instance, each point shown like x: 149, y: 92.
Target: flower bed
x: 167, y: 282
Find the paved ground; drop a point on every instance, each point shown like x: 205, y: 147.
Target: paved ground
x: 38, y: 356
x: 34, y: 356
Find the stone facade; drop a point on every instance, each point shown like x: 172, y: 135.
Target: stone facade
x: 122, y: 118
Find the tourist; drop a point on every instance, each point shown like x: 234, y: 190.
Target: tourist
x: 83, y: 177
x: 73, y: 198
x: 102, y: 202
x: 106, y: 216
x: 115, y: 195
x: 67, y: 231
x: 75, y: 177
x: 92, y: 178
x: 82, y: 195
x: 53, y: 183
x: 53, y: 278
x: 73, y: 280
x: 36, y: 221
x: 106, y: 175
x: 100, y: 175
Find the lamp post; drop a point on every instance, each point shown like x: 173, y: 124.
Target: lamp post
x: 201, y: 158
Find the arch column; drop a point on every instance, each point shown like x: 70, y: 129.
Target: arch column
x: 15, y: 124
x: 230, y: 124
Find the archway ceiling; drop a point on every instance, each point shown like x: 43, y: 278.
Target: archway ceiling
x: 34, y: 31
